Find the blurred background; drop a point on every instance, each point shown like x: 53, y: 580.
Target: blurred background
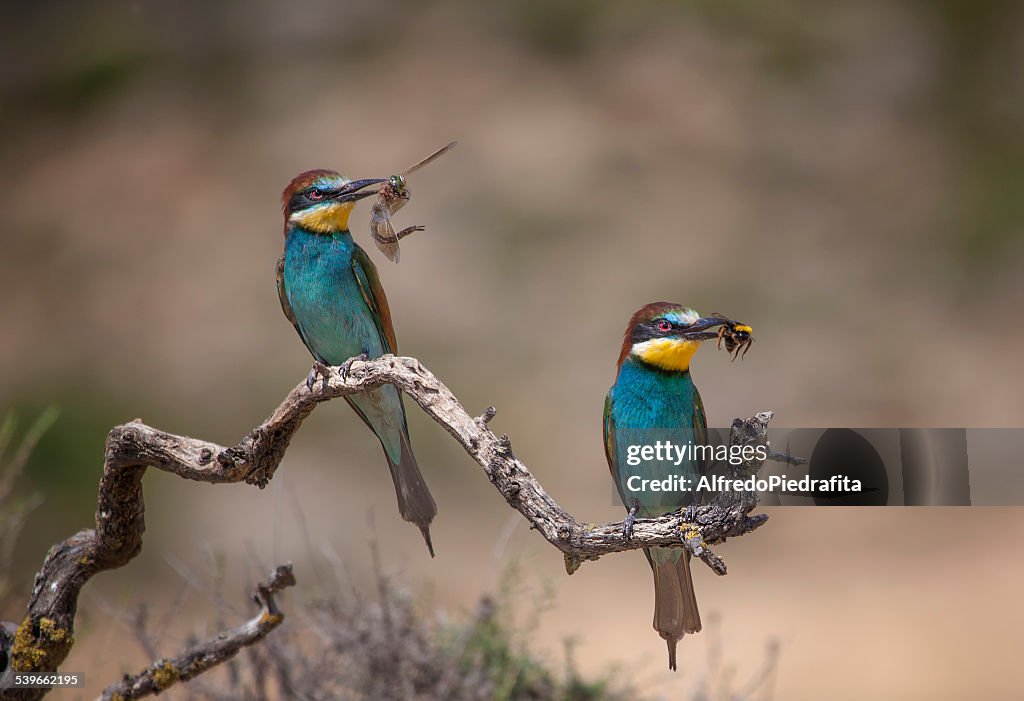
x: 848, y: 178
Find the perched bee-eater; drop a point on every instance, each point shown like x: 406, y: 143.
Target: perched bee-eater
x: 331, y: 293
x: 654, y: 399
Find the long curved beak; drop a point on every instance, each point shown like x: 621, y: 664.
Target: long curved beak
x: 351, y: 191
x: 698, y: 330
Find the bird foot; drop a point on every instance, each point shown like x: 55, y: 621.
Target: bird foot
x: 346, y: 367
x: 628, y: 523
x: 318, y: 370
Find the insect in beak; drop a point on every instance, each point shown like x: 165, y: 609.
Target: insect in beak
x: 736, y: 337
x: 391, y: 197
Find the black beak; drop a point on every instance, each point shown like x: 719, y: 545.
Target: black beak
x: 351, y: 191
x: 698, y: 330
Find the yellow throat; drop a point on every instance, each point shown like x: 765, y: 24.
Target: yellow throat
x: 667, y: 353
x: 324, y: 218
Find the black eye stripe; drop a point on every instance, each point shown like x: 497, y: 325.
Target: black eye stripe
x: 301, y: 200
x: 649, y: 330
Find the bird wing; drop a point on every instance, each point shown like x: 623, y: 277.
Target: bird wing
x: 373, y: 294
x: 610, y: 449
x: 700, y: 427
x: 282, y: 295
x: 700, y: 421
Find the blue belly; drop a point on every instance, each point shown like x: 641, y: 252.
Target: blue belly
x: 336, y: 324
x: 650, y: 407
x: 333, y: 318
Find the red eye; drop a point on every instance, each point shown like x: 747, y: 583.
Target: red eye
x: 664, y: 326
x: 315, y: 194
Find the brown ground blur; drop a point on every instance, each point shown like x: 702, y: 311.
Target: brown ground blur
x: 849, y: 181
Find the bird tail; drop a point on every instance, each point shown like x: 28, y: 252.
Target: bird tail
x: 415, y: 502
x: 675, y: 604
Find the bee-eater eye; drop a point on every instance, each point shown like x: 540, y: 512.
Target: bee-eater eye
x: 664, y: 326
x: 315, y: 194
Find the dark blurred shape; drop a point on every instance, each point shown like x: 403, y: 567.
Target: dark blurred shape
x: 841, y: 451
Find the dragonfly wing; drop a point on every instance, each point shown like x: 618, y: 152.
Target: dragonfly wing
x: 432, y: 157
x: 381, y: 230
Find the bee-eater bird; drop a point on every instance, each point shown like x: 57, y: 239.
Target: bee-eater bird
x: 331, y: 293
x: 654, y: 399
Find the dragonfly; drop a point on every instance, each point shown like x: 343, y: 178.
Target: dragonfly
x: 392, y: 196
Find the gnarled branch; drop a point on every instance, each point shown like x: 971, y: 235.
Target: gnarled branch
x: 198, y: 658
x: 727, y: 516
x: 45, y: 635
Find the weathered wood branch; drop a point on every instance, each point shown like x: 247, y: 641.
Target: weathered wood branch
x: 45, y: 635
x: 198, y: 658
x: 728, y: 516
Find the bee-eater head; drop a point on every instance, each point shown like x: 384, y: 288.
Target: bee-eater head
x: 666, y: 335
x: 321, y: 200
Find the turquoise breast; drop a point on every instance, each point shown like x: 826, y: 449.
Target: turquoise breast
x: 650, y: 406
x: 333, y: 318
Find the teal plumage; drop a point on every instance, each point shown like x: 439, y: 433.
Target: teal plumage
x: 330, y: 291
x: 654, y: 399
x: 645, y: 405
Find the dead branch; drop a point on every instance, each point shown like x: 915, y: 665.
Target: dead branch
x: 163, y: 673
x: 726, y: 517
x: 45, y: 635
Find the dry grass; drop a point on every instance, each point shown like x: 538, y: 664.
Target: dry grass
x: 346, y: 647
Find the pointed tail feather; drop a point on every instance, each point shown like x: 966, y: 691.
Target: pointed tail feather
x: 415, y: 502
x: 675, y: 604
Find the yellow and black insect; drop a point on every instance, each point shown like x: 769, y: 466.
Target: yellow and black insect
x: 391, y: 197
x: 736, y: 337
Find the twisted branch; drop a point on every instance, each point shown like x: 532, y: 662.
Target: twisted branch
x: 45, y: 635
x: 198, y: 658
